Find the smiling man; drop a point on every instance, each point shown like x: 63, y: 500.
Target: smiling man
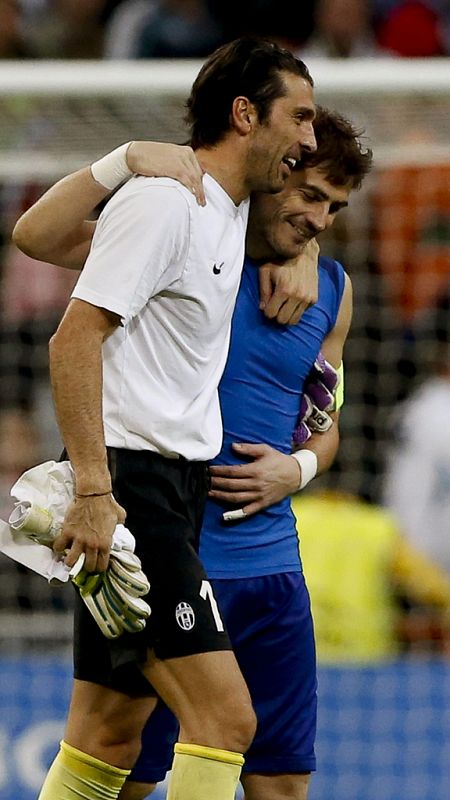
x: 135, y: 366
x: 254, y: 564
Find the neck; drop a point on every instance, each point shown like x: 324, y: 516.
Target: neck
x: 225, y: 163
x: 258, y: 249
x: 256, y: 244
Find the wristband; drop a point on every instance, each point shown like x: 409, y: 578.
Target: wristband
x: 112, y: 169
x: 307, y: 461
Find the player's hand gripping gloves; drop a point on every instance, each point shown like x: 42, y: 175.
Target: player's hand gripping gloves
x: 319, y: 397
x: 114, y: 598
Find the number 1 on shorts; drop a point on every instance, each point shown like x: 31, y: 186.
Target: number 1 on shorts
x: 206, y: 592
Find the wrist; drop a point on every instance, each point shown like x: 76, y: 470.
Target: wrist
x: 90, y: 485
x: 93, y: 494
x: 308, y: 464
x: 112, y: 169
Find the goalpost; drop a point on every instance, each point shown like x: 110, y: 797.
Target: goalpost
x: 55, y: 116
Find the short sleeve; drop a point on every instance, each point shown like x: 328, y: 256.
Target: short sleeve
x: 139, y: 247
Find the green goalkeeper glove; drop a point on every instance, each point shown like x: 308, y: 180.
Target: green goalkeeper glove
x: 114, y: 597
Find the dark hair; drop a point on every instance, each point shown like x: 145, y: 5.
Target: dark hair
x: 246, y: 67
x: 340, y: 154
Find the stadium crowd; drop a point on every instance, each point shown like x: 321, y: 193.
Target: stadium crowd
x: 74, y: 29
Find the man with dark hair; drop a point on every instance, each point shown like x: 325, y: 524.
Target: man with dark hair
x: 135, y: 366
x: 255, y: 564
x: 230, y: 72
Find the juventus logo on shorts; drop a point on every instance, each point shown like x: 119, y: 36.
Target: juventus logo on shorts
x: 184, y: 615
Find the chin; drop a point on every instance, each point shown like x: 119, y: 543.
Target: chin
x: 286, y: 247
x: 278, y: 184
x: 285, y: 251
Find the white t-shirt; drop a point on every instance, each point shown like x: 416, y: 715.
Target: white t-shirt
x: 417, y: 486
x: 171, y: 269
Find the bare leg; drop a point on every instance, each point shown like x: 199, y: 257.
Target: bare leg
x: 275, y: 787
x: 209, y: 697
x: 136, y: 791
x: 107, y: 724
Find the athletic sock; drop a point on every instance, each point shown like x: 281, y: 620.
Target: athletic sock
x: 77, y: 776
x: 204, y: 773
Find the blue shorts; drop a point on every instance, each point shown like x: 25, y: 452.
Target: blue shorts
x: 270, y: 626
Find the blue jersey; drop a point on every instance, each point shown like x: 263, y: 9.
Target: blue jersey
x: 260, y: 395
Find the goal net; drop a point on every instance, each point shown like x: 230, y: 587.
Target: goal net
x: 54, y: 117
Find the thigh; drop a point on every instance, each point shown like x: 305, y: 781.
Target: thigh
x: 208, y: 695
x: 271, y: 631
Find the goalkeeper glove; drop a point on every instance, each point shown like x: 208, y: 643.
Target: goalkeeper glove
x: 114, y: 597
x: 319, y: 397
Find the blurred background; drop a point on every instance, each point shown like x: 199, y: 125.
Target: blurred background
x: 77, y: 78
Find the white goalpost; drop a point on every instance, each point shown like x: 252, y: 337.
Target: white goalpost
x: 55, y: 116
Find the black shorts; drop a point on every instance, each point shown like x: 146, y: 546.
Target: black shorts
x: 164, y: 500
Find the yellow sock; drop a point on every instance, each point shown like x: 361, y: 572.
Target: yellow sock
x: 76, y: 776
x: 204, y: 773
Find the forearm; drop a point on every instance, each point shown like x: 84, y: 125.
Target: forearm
x: 76, y: 376
x: 287, y: 291
x: 56, y: 228
x: 268, y: 478
x: 317, y: 454
x: 325, y: 447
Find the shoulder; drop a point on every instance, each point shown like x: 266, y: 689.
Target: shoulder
x: 147, y: 207
x: 158, y: 194
x: 332, y: 268
x: 334, y: 280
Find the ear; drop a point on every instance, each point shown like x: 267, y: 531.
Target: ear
x: 243, y: 116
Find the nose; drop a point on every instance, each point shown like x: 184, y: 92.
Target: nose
x: 317, y: 218
x: 308, y: 140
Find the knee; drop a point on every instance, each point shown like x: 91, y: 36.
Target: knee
x: 136, y: 791
x: 244, y: 728
x: 239, y: 727
x: 108, y: 738
x: 107, y: 724
x: 228, y: 726
x: 124, y: 744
